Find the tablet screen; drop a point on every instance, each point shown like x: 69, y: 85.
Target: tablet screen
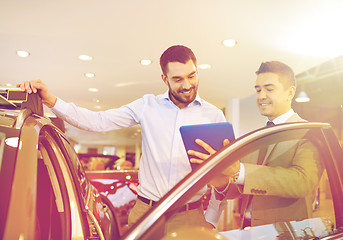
x: 213, y: 134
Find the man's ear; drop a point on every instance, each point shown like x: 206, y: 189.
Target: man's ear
x: 292, y: 90
x: 164, y: 78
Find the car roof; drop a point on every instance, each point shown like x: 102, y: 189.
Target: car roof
x: 16, y: 105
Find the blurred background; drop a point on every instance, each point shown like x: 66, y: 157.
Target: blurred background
x: 104, y: 54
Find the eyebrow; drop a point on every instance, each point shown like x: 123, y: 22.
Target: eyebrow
x: 177, y: 77
x: 266, y: 85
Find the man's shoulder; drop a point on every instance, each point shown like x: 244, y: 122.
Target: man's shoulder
x: 204, y: 103
x: 151, y: 97
x: 295, y: 118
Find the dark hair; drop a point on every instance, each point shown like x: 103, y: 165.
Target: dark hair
x: 286, y: 74
x: 177, y: 53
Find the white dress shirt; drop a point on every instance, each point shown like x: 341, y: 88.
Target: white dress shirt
x: 164, y: 160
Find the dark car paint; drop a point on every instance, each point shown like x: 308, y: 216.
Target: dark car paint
x: 37, y: 132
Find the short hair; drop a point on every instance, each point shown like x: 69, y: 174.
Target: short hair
x: 176, y: 53
x: 286, y: 74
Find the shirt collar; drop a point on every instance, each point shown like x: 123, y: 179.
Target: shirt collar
x: 197, y: 99
x: 283, y: 118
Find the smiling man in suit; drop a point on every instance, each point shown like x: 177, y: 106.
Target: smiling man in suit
x: 279, y: 185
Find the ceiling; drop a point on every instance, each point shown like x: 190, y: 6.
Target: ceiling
x: 118, y: 34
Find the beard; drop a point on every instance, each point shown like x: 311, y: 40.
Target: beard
x: 179, y: 96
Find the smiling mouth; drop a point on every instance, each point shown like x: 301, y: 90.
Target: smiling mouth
x: 187, y: 92
x: 264, y: 104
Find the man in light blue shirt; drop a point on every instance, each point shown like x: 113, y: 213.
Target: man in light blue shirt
x: 164, y: 160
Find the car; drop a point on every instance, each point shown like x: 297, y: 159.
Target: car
x: 327, y: 208
x: 45, y: 193
x: 117, y: 188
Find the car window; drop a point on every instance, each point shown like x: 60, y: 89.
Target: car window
x: 287, y: 184
x: 51, y: 140
x: 286, y: 191
x: 78, y: 168
x: 52, y: 197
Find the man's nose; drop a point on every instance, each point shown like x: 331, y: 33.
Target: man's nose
x: 186, y: 84
x: 261, y: 94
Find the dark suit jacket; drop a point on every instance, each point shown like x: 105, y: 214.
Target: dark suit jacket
x: 283, y: 187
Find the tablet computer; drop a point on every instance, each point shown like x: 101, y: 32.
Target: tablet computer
x: 213, y: 134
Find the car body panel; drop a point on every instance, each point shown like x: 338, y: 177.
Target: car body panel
x: 45, y: 191
x: 23, y: 188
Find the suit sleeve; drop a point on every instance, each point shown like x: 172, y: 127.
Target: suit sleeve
x: 292, y: 174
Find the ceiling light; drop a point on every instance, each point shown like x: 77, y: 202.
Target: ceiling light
x: 302, y: 97
x: 97, y: 107
x: 85, y: 58
x: 23, y: 54
x: 146, y: 62
x: 229, y: 42
x: 90, y: 75
x: 93, y: 89
x: 96, y: 100
x: 204, y: 66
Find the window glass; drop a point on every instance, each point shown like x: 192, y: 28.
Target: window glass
x: 285, y: 190
x: 62, y: 182
x: 49, y: 205
x: 78, y: 168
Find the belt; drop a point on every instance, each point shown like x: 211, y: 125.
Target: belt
x: 186, y: 207
x: 189, y: 206
x: 147, y: 201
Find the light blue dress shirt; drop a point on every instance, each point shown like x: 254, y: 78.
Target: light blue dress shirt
x: 164, y: 160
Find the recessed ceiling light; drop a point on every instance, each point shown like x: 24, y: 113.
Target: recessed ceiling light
x: 93, y: 89
x: 96, y: 100
x: 97, y: 107
x: 85, y: 58
x: 229, y: 42
x: 23, y: 54
x: 90, y: 75
x: 204, y: 66
x: 146, y: 62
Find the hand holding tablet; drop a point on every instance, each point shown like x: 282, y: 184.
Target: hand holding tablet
x: 203, y: 140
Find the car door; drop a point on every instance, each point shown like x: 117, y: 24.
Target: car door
x: 325, y: 208
x: 100, y: 216
x: 58, y: 210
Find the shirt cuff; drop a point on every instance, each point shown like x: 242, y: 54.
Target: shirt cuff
x: 241, y: 176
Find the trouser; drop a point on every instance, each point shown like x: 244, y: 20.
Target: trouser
x: 187, y: 218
